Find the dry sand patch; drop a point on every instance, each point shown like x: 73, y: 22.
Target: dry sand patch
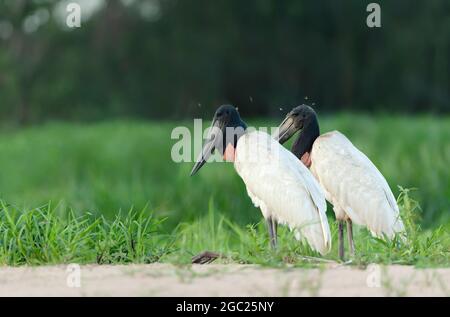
x: 223, y: 280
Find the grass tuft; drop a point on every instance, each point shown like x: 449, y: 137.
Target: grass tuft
x: 40, y: 236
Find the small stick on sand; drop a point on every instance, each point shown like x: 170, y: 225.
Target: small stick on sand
x: 205, y: 257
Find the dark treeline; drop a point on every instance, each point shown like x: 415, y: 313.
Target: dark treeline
x: 177, y: 59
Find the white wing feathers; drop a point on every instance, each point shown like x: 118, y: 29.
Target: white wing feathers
x: 283, y: 188
x: 354, y: 185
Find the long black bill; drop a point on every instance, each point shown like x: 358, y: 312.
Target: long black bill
x: 215, y: 137
x: 286, y: 129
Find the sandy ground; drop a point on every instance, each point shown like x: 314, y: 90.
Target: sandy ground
x: 222, y: 280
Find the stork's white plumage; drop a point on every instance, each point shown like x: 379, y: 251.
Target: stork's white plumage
x: 352, y: 184
x: 285, y: 190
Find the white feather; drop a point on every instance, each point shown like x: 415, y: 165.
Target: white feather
x: 354, y: 185
x: 282, y: 188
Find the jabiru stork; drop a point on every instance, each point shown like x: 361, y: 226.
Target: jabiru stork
x: 284, y: 190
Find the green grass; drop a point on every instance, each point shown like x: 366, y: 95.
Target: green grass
x: 97, y: 173
x: 43, y: 236
x: 40, y: 236
x: 250, y: 244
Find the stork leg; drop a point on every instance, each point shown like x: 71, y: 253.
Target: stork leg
x: 272, y: 226
x: 351, y: 243
x: 275, y: 232
x: 341, y: 239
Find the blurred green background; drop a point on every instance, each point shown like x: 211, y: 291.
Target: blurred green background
x: 86, y: 113
x: 164, y: 58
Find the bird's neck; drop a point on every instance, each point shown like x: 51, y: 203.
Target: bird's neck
x: 230, y: 140
x: 306, y: 138
x: 240, y: 129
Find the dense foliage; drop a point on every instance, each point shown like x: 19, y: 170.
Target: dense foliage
x: 169, y: 58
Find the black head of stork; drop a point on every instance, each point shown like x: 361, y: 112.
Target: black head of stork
x: 226, y: 128
x: 302, y: 118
